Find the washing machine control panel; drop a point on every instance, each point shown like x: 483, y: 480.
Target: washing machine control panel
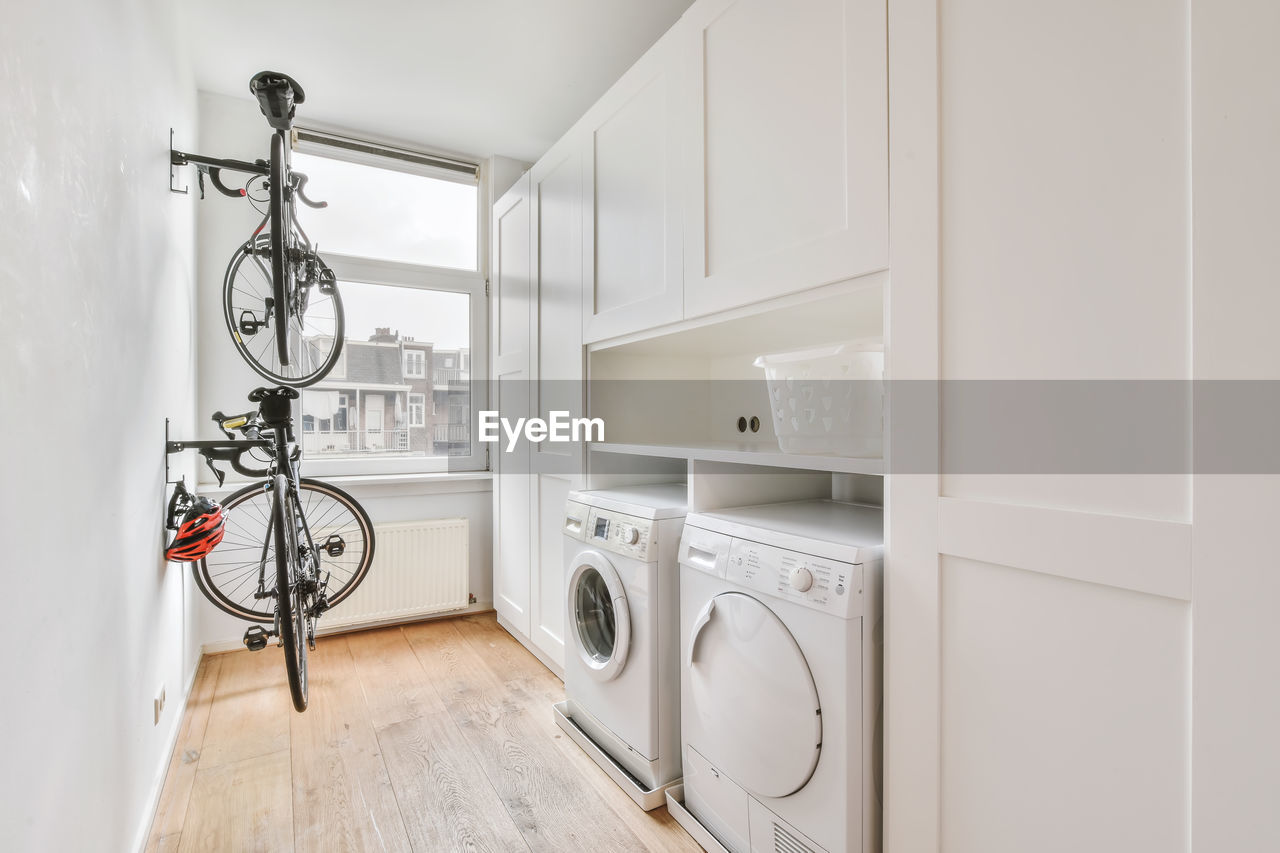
x: 826, y: 585
x: 620, y: 533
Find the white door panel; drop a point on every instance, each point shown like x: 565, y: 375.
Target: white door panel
x: 786, y: 166
x: 1038, y: 622
x: 1064, y: 712
x: 549, y: 570
x: 510, y: 305
x: 632, y: 211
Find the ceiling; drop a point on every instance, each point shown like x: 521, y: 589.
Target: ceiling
x: 474, y: 77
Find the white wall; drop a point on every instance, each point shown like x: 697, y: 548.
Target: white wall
x: 234, y: 128
x: 96, y: 294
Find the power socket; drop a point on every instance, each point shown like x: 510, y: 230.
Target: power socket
x: 159, y: 705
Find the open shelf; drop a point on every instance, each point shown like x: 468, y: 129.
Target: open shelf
x: 747, y: 454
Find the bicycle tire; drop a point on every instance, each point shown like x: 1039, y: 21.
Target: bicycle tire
x: 291, y: 611
x: 281, y: 267
x: 246, y: 285
x: 229, y: 580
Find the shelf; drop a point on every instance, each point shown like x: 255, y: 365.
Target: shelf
x: 747, y: 454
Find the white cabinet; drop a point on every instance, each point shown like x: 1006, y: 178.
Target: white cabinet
x: 632, y: 225
x: 510, y: 317
x: 557, y: 372
x: 786, y: 128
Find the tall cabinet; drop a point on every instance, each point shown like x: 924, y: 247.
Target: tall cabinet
x: 536, y: 311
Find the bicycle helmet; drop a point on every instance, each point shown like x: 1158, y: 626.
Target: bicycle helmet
x: 200, y: 531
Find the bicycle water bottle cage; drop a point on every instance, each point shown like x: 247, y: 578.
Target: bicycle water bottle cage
x: 277, y: 94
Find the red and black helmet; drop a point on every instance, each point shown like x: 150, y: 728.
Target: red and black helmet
x: 200, y: 531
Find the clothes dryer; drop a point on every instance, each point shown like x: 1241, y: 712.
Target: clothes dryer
x: 780, y: 633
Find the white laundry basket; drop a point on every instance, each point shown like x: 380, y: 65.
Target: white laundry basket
x: 828, y: 399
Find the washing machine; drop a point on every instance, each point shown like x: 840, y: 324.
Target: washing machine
x: 621, y: 672
x: 780, y: 612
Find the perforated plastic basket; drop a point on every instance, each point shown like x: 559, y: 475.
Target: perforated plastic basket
x: 828, y: 399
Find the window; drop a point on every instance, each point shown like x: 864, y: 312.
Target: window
x: 415, y: 362
x: 403, y: 238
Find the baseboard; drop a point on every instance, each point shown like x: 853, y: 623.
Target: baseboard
x: 556, y: 669
x: 157, y: 786
x: 223, y: 646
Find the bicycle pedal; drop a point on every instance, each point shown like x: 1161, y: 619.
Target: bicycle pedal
x: 334, y: 546
x: 255, y: 638
x: 249, y: 324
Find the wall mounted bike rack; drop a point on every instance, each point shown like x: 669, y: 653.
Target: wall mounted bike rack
x: 173, y: 175
x: 224, y: 445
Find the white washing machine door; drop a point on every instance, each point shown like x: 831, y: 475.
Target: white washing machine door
x: 760, y: 720
x: 598, y: 616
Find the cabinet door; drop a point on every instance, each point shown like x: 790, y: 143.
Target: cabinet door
x: 510, y: 308
x: 556, y: 208
x: 547, y: 605
x: 557, y: 370
x: 632, y: 226
x: 787, y: 179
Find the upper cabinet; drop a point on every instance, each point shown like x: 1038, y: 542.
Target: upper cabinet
x: 786, y: 132
x: 632, y: 224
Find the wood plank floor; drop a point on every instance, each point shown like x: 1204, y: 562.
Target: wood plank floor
x: 432, y: 737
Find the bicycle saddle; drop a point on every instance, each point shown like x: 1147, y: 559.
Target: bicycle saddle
x: 257, y: 395
x: 278, y: 94
x: 273, y: 404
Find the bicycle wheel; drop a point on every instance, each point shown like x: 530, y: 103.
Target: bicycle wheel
x: 281, y: 243
x: 315, y: 327
x: 242, y: 567
x: 291, y: 597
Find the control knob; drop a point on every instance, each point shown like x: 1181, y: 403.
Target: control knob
x: 801, y: 579
x: 630, y: 535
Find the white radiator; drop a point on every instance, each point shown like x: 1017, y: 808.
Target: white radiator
x: 419, y: 568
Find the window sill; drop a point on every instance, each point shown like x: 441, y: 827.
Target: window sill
x: 440, y: 482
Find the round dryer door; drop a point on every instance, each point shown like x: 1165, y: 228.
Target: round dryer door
x: 598, y: 614
x: 754, y: 696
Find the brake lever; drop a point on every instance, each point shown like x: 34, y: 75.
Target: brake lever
x: 208, y: 460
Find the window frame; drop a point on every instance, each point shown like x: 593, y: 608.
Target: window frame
x: 422, y: 405
x: 473, y: 283
x: 421, y: 359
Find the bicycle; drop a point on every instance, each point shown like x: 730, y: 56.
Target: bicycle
x: 292, y: 547
x: 280, y: 300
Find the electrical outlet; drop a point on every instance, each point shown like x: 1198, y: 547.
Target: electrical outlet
x: 159, y: 704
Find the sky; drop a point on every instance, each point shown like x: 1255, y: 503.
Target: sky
x: 390, y: 215
x: 435, y: 316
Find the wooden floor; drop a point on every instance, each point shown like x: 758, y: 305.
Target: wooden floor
x: 432, y: 737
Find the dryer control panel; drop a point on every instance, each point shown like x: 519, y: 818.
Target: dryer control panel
x: 827, y: 585
x: 620, y: 533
